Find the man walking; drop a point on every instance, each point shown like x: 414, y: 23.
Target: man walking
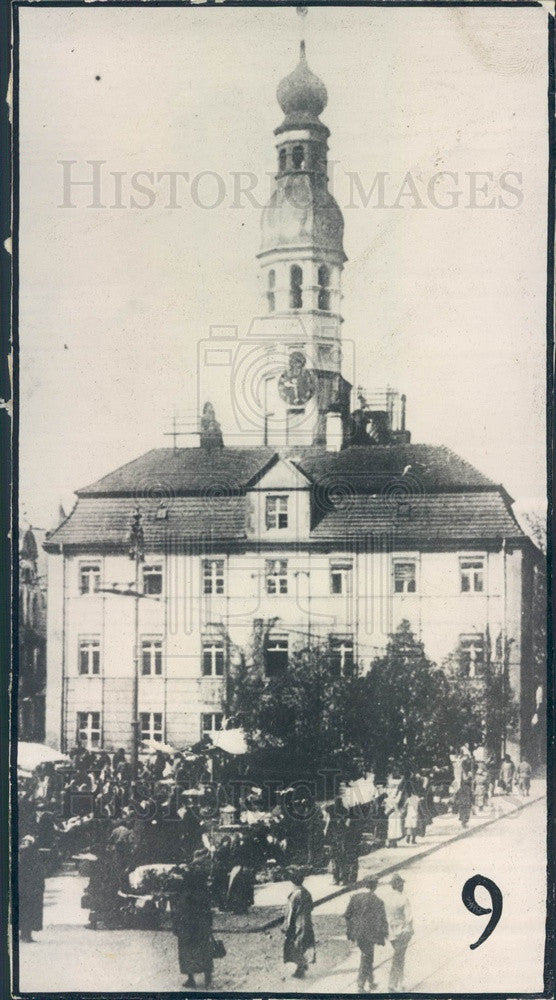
x: 367, y: 926
x: 400, y: 929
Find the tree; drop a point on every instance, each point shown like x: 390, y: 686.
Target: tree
x: 412, y: 721
x: 483, y: 699
x: 301, y: 721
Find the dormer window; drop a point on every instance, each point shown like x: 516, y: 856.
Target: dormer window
x: 296, y: 284
x: 276, y: 512
x: 298, y: 157
x: 324, y: 289
x: 282, y: 159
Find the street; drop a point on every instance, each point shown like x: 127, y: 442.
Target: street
x: 68, y: 956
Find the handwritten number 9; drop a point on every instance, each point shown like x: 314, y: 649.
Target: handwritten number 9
x: 468, y: 897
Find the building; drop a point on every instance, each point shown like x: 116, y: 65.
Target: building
x: 333, y: 527
x: 32, y: 637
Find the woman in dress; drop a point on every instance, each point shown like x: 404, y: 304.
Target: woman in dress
x: 192, y: 925
x: 395, y: 824
x: 298, y: 925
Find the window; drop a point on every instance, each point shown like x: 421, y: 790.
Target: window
x: 89, y: 656
x: 340, y: 578
x: 472, y: 575
x: 276, y: 576
x: 213, y: 659
x: 150, y: 724
x: 324, y: 290
x: 298, y: 157
x: 276, y: 512
x: 211, y: 722
x: 405, y: 577
x: 270, y: 293
x: 89, y: 578
x: 152, y: 579
x: 473, y: 652
x: 282, y: 158
x: 88, y: 729
x: 151, y: 657
x: 213, y: 576
x: 341, y: 649
x: 276, y: 655
x: 296, y: 283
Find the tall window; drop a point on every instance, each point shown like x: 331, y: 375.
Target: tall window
x: 472, y: 575
x: 213, y: 658
x: 298, y: 157
x: 271, y: 295
x: 151, y: 726
x: 211, y: 722
x: 213, y: 576
x: 282, y: 160
x: 405, y: 577
x: 89, y: 656
x: 341, y: 650
x: 324, y: 287
x: 151, y: 657
x: 88, y: 729
x: 276, y: 655
x: 89, y: 578
x: 473, y: 652
x: 276, y: 512
x: 341, y: 578
x: 152, y: 579
x: 276, y: 576
x: 296, y: 286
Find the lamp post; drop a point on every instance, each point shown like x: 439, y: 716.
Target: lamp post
x: 137, y: 553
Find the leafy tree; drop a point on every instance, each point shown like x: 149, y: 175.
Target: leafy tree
x: 485, y: 698
x: 303, y: 720
x: 413, y: 723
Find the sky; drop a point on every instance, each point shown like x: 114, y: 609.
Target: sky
x: 446, y: 304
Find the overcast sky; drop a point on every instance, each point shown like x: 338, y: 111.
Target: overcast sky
x: 447, y: 305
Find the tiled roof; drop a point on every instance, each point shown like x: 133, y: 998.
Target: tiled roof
x: 105, y: 521
x: 185, y: 471
x: 377, y: 469
x: 165, y: 472
x: 414, y: 520
x: 446, y: 517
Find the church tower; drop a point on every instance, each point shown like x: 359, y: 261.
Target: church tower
x: 301, y: 261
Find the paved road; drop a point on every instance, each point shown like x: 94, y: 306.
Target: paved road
x: 439, y: 959
x: 67, y: 956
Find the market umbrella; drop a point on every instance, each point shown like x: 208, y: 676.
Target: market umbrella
x: 231, y: 740
x: 31, y: 755
x: 153, y: 745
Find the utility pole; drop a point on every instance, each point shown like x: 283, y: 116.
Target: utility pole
x: 137, y: 553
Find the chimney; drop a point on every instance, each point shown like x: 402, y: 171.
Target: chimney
x: 334, y: 432
x: 211, y: 432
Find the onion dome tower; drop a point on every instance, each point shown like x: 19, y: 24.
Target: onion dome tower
x: 301, y: 260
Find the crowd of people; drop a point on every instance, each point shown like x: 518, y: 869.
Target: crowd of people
x: 478, y: 778
x: 162, y: 818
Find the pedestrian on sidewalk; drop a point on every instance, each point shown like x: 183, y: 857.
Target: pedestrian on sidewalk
x: 298, y: 925
x: 31, y: 888
x: 400, y: 929
x: 524, y: 772
x: 334, y: 835
x: 192, y: 925
x: 463, y: 800
x: 367, y: 926
x: 480, y: 787
x: 412, y: 818
x: 507, y: 772
x: 395, y: 824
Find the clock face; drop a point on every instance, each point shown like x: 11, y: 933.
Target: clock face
x: 296, y: 384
